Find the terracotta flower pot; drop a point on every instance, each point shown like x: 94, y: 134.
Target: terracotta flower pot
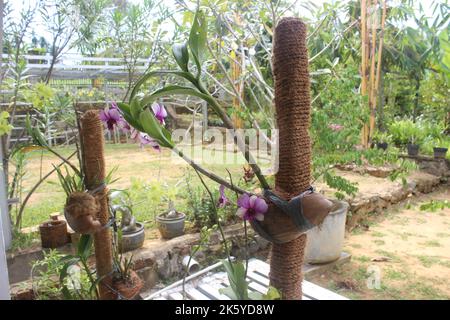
x: 128, y: 289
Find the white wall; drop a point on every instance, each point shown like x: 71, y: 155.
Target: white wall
x: 7, y: 236
x: 4, y: 282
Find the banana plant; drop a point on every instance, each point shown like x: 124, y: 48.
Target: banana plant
x: 138, y: 115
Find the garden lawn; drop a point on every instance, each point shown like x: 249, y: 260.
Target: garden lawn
x: 151, y: 177
x: 413, y: 252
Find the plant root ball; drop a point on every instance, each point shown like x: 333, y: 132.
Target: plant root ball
x: 81, y: 211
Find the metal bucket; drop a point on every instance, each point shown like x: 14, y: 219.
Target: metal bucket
x: 324, y: 243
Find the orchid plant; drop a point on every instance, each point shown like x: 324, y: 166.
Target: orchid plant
x: 147, y: 118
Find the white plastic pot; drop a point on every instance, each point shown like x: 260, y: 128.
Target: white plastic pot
x: 324, y: 243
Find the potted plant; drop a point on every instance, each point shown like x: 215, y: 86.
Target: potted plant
x: 132, y: 234
x: 171, y: 222
x: 441, y: 151
x: 125, y: 281
x: 415, y: 139
x: 53, y: 233
x: 407, y: 132
x: 381, y: 140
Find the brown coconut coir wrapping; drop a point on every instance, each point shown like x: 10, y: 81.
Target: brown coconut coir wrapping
x: 95, y: 172
x: 293, y: 112
x: 293, y: 109
x: 81, y: 213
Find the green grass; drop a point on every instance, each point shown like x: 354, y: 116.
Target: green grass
x: 389, y: 255
x: 442, y: 235
x: 392, y: 274
x: 431, y: 243
x: 421, y: 290
x: 148, y: 197
x: 377, y: 234
x: 363, y: 259
x: 428, y: 261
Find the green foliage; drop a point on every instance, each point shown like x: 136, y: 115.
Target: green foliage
x: 40, y: 95
x: 435, y: 205
x: 341, y: 184
x: 200, y: 207
x: 143, y: 120
x: 380, y: 137
x: 197, y: 39
x: 404, y: 167
x: 336, y: 106
x: 69, y: 182
x: 67, y: 285
x: 79, y: 290
x: 5, y: 126
x: 406, y: 131
x: 122, y: 265
x: 236, y: 272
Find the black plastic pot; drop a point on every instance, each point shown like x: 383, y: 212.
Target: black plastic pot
x: 439, y: 153
x: 413, y: 149
x: 382, y: 145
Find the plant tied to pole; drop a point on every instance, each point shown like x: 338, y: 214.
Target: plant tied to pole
x: 138, y: 114
x: 293, y: 207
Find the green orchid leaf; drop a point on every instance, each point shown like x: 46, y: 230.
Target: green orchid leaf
x: 84, y: 246
x: 63, y: 275
x: 125, y: 108
x: 181, y: 54
x: 173, y: 89
x: 154, y: 129
x: 186, y: 75
x: 197, y: 39
x: 228, y: 291
x: 135, y: 108
x: 126, y: 112
x: 236, y: 276
x: 272, y: 294
x: 253, y: 295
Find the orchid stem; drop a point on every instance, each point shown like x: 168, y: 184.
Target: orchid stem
x: 207, y: 173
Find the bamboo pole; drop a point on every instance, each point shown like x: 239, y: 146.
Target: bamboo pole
x: 235, y: 76
x: 364, y: 52
x: 372, y: 90
x: 380, y: 54
x: 95, y: 173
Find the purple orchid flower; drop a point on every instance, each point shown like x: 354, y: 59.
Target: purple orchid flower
x: 223, y: 200
x: 112, y: 117
x: 251, y: 207
x: 160, y: 112
x: 144, y: 139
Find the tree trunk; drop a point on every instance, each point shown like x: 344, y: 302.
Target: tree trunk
x: 381, y: 102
